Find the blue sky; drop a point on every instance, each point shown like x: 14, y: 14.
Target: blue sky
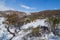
x: 29, y: 5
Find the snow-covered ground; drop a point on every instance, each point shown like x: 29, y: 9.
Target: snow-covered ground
x: 5, y: 35
x: 35, y: 23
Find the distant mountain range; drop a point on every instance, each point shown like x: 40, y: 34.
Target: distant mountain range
x: 45, y: 13
x: 10, y: 12
x: 48, y: 13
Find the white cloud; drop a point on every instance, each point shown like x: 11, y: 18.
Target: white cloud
x: 27, y: 7
x: 55, y: 8
x: 3, y: 7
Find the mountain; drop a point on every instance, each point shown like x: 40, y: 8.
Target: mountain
x: 10, y: 12
x: 23, y: 17
x: 47, y: 13
x: 27, y: 27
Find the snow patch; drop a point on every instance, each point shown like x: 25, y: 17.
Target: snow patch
x: 35, y: 23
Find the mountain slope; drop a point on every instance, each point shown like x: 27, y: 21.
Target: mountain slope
x: 48, y: 13
x: 26, y: 27
x: 10, y: 12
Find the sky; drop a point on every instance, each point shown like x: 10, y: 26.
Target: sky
x: 29, y: 5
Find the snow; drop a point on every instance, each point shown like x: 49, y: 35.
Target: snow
x: 12, y: 30
x: 5, y: 35
x: 28, y: 13
x: 53, y: 37
x: 21, y: 35
x: 35, y: 23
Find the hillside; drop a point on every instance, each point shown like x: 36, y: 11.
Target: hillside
x: 48, y: 13
x: 15, y: 25
x: 45, y: 13
x: 22, y: 17
x: 10, y: 12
